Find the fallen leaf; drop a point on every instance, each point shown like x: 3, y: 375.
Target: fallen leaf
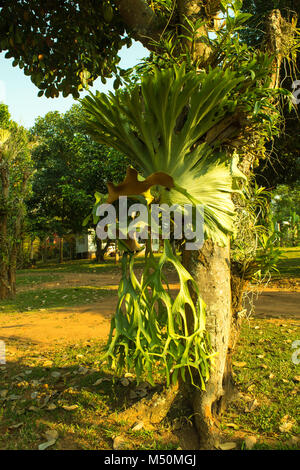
x: 286, y: 424
x: 70, y: 407
x: 51, y: 434
x: 239, y: 364
x: 33, y: 408
x: 45, y: 445
x: 128, y: 375
x: 227, y: 446
x: 250, y: 441
x: 119, y: 443
x: 232, y: 425
x: 15, y: 426
x: 125, y: 382
x: 251, y: 406
x: 14, y: 397
x: 138, y: 426
x: 55, y: 374
x: 132, y: 395
x: 51, y: 407
x: 99, y: 381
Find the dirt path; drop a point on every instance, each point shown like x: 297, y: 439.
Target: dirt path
x: 59, y: 326
x: 277, y: 304
x: 69, y: 325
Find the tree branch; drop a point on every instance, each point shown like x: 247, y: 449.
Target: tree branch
x: 138, y: 17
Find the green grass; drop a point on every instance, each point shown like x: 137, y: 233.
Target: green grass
x: 53, y: 298
x: 94, y: 422
x: 32, y: 279
x: 78, y: 266
x: 289, y: 266
x: 28, y: 386
x: 268, y: 377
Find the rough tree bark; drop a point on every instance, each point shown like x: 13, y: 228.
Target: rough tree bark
x: 5, y: 290
x: 61, y: 249
x: 210, y: 266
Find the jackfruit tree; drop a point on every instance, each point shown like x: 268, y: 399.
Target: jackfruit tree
x: 194, y: 124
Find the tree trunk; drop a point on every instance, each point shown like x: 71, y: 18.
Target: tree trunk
x: 45, y: 254
x: 4, y: 281
x: 4, y: 248
x: 210, y: 267
x: 61, y: 249
x: 100, y: 252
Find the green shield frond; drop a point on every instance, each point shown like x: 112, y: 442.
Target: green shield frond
x: 161, y: 126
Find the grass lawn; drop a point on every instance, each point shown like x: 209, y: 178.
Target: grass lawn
x: 289, y: 265
x: 50, y: 298
x: 67, y: 393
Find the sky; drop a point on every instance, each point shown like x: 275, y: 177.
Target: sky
x: 20, y: 94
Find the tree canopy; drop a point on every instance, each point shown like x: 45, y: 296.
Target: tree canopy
x: 62, y: 44
x: 15, y: 171
x: 70, y: 167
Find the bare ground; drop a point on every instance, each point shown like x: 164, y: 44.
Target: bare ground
x: 67, y: 325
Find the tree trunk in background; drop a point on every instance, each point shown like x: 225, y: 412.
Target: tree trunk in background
x: 4, y: 281
x: 210, y: 268
x: 12, y: 269
x: 46, y: 250
x: 61, y: 249
x: 100, y: 252
x: 5, y: 291
x: 73, y: 248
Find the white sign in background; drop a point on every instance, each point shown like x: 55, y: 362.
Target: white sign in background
x: 2, y: 352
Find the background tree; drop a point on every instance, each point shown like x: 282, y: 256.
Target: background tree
x: 70, y: 167
x: 281, y: 164
x: 286, y: 212
x: 15, y: 171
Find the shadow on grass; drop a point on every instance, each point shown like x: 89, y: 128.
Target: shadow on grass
x: 69, y: 391
x: 51, y: 298
x: 79, y: 266
x: 289, y: 266
x: 31, y: 279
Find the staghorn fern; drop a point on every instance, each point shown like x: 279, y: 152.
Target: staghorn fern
x: 161, y: 126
